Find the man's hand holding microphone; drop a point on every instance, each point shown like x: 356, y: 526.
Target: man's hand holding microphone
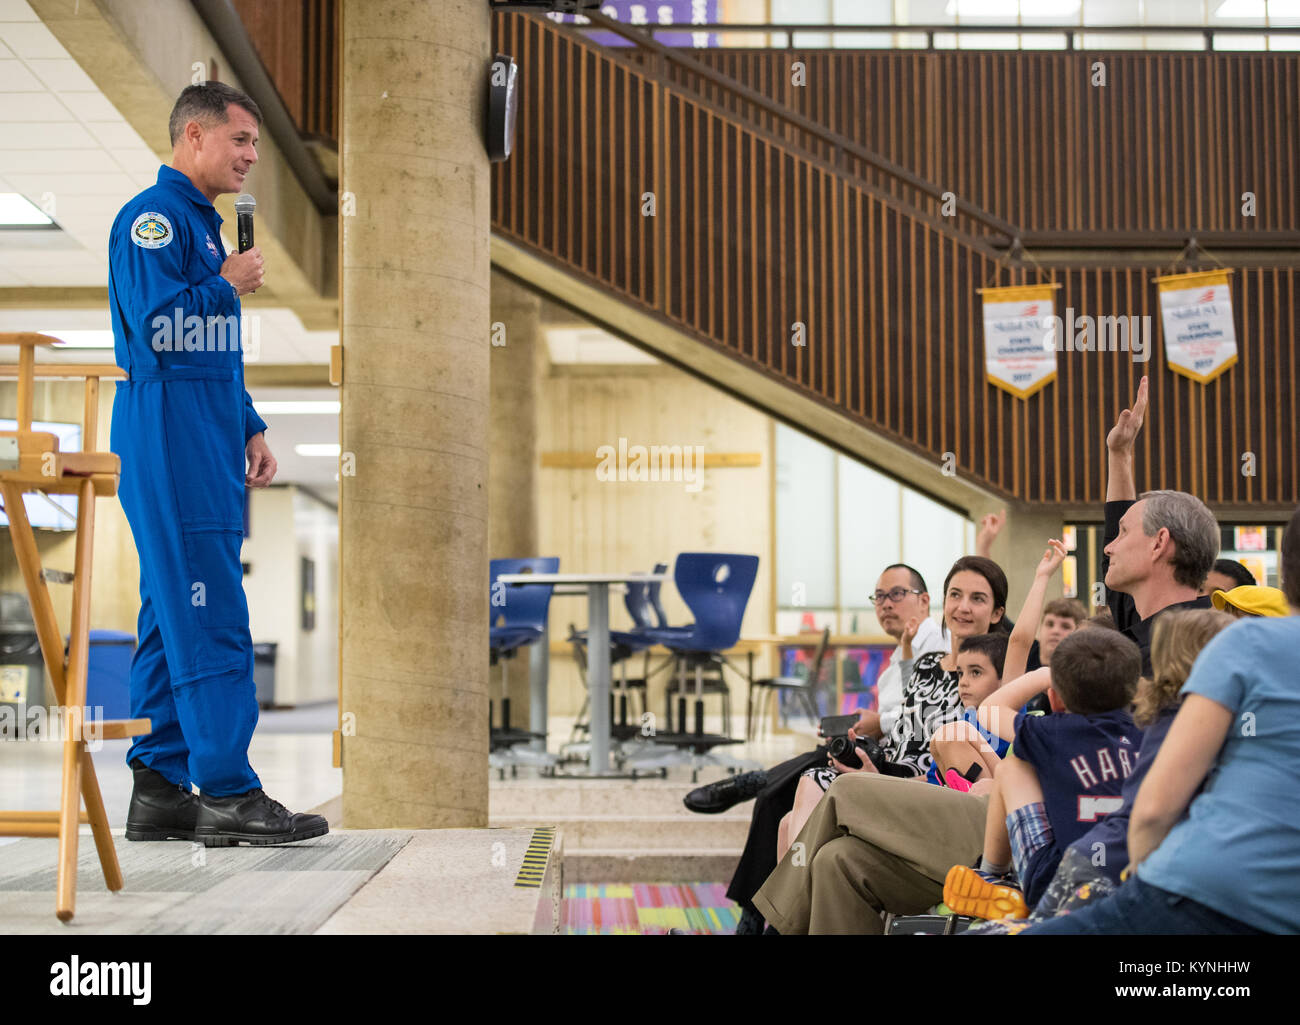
x: 244, y: 270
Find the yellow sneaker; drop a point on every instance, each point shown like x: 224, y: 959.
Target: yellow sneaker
x: 969, y: 893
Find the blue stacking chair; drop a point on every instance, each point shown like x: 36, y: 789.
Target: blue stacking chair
x: 652, y: 599
x: 716, y: 588
x: 516, y: 623
x: 623, y: 645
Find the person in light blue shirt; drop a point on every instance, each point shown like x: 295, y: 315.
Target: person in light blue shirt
x: 1226, y: 860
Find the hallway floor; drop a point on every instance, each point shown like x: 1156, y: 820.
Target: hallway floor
x: 613, y: 823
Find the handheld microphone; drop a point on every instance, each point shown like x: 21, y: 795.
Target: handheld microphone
x: 244, y: 207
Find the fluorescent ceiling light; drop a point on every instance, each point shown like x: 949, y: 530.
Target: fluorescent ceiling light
x: 81, y: 339
x: 328, y: 407
x: 18, y: 211
x: 325, y: 451
x: 1012, y: 8
x: 1255, y: 9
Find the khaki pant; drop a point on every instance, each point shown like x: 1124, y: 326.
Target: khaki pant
x: 874, y: 844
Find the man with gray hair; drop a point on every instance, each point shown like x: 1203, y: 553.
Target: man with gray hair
x: 878, y: 845
x: 1159, y: 547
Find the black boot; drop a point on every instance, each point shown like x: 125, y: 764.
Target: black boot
x: 253, y: 818
x: 160, y: 810
x: 726, y: 793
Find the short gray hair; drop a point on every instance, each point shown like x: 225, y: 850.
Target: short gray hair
x: 1193, y: 528
x: 206, y: 103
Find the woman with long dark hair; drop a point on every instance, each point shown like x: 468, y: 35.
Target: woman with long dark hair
x: 974, y: 602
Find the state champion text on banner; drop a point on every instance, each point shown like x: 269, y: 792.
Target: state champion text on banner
x: 1196, y: 312
x: 1020, y: 337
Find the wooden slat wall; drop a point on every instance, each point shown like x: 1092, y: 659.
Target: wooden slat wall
x: 752, y: 235
x: 296, y: 41
x: 1171, y: 142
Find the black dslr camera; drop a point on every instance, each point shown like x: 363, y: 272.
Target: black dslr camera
x: 835, y: 729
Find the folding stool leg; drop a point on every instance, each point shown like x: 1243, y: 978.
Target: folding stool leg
x: 99, y: 824
x: 75, y: 705
x: 82, y: 770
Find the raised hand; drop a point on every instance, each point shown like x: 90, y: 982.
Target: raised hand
x: 1129, y: 423
x: 990, y: 527
x: 1052, y: 558
x: 909, y: 634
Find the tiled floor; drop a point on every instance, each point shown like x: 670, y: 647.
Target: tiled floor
x: 291, y: 752
x: 638, y: 909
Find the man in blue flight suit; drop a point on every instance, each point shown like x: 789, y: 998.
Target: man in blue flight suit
x: 184, y: 425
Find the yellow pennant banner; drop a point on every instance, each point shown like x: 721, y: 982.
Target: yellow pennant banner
x: 1196, y: 312
x: 1020, y: 337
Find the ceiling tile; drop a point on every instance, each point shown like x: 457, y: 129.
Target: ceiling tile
x: 17, y: 10
x: 141, y: 162
x: 73, y: 184
x: 70, y: 207
x: 60, y: 277
x: 40, y: 318
x: 90, y: 106
x: 46, y: 161
x: 116, y: 136
x: 92, y: 231
x: 45, y: 136
x: 33, y: 106
x: 31, y: 40
x: 16, y: 78
x: 62, y: 75
x: 71, y: 259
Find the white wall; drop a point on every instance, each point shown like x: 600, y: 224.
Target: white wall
x: 285, y: 525
x: 317, y: 530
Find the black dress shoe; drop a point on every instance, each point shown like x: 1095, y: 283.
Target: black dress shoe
x: 253, y: 818
x: 160, y: 809
x: 726, y: 793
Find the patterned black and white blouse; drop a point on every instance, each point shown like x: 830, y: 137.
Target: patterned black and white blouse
x: 930, y: 699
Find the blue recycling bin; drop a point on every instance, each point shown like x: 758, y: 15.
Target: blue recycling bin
x: 108, y: 673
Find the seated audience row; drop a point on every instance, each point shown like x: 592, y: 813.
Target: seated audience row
x: 1094, y: 820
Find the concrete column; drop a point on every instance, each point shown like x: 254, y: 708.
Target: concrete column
x: 512, y: 476
x: 1020, y: 546
x: 413, y: 516
x: 512, y: 489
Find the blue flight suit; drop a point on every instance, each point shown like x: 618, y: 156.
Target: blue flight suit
x: 180, y: 425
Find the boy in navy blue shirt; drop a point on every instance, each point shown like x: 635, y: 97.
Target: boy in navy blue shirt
x: 1064, y: 772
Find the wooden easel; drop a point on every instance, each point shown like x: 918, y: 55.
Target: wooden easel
x: 31, y: 461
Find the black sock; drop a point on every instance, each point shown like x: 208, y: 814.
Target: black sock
x: 751, y: 922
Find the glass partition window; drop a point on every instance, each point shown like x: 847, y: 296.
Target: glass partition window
x: 805, y: 522
x: 838, y: 524
x: 1158, y: 14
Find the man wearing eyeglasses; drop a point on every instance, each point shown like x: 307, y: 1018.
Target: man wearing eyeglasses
x: 900, y: 599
